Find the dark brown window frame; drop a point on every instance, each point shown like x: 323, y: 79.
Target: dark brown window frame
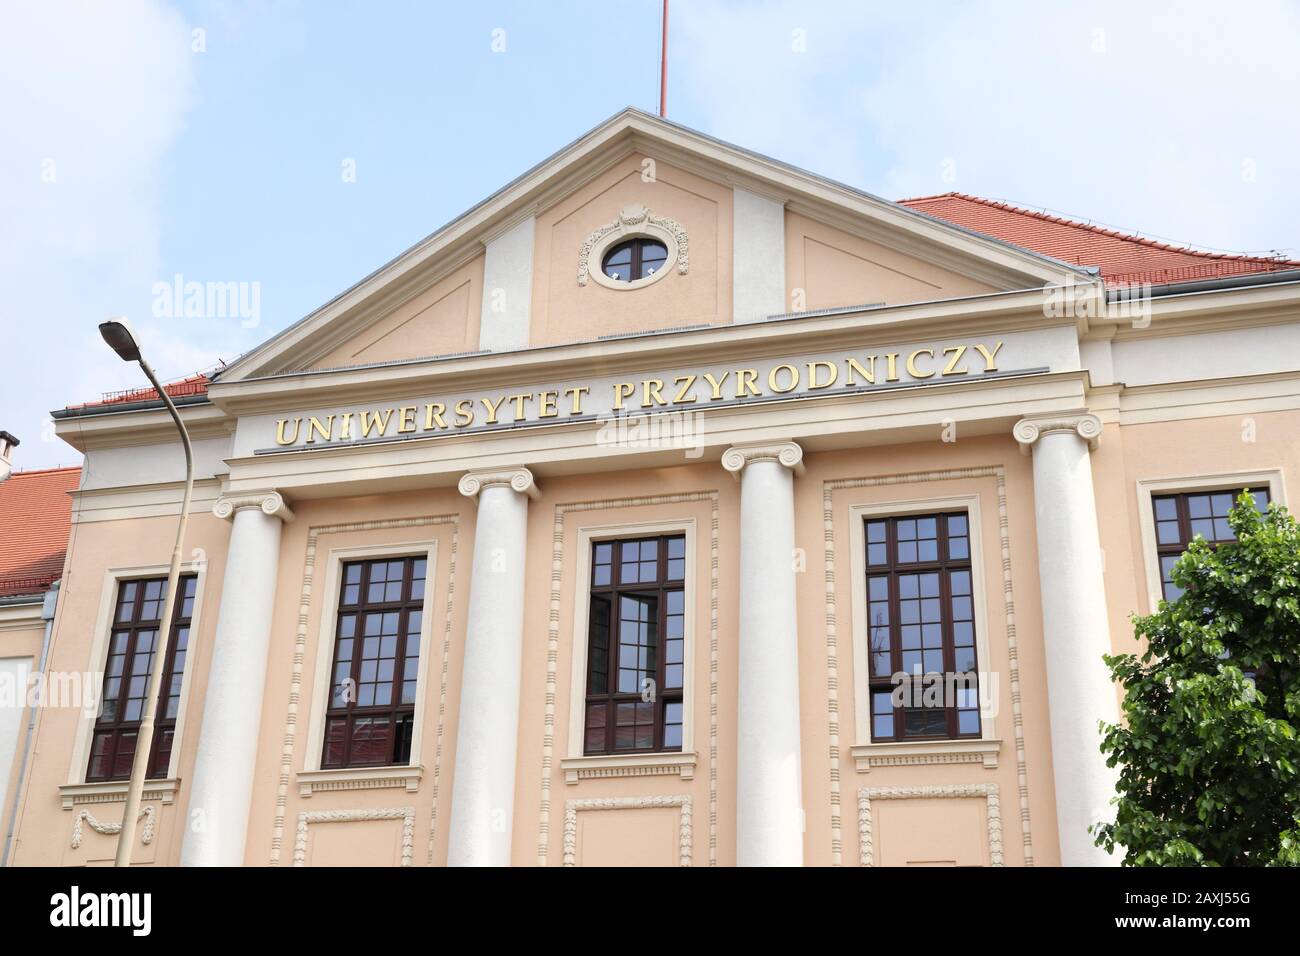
x: 894, y: 569
x: 636, y: 264
x: 116, y: 729
x: 609, y: 595
x: 1182, y: 504
x: 400, y: 715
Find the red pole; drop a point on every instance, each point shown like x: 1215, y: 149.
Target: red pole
x: 663, y: 66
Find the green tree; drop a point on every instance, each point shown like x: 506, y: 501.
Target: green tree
x: 1207, y: 750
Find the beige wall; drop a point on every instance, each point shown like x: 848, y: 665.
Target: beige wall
x: 831, y: 268
x: 563, y: 311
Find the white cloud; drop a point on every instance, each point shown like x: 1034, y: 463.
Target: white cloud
x: 94, y: 95
x: 1153, y: 116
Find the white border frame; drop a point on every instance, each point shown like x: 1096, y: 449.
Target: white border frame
x: 642, y: 230
x: 1221, y: 481
x: 99, y: 657
x: 577, y: 677
x: 334, y: 559
x: 969, y: 503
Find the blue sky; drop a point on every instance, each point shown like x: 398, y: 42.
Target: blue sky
x: 137, y: 149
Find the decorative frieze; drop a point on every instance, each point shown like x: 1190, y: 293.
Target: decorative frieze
x: 150, y: 815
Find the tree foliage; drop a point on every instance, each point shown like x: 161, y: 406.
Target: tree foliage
x: 1207, y: 750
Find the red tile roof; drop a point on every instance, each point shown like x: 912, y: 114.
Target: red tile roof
x: 35, y: 519
x: 196, y: 384
x: 1123, y: 259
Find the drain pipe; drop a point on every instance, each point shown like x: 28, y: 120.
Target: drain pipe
x: 47, y: 615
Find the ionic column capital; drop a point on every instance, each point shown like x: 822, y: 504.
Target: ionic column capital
x: 1086, y: 425
x: 268, y: 502
x: 517, y: 479
x: 786, y: 453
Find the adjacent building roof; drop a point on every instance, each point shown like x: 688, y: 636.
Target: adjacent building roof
x: 1124, y: 259
x: 35, y: 520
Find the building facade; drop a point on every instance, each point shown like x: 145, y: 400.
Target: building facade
x: 599, y: 527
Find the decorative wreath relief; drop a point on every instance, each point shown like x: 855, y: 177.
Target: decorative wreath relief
x: 634, y: 220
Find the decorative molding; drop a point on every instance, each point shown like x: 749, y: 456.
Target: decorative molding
x: 832, y: 641
x: 519, y: 479
x: 300, y: 652
x: 634, y: 220
x: 914, y: 754
x: 359, y: 778
x: 308, y: 817
x: 553, y: 651
x: 268, y: 502
x: 685, y: 834
x: 629, y: 765
x: 1086, y: 425
x: 150, y: 815
x: 114, y: 791
x: 790, y: 454
x: 989, y: 791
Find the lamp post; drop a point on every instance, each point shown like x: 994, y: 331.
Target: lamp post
x: 117, y: 333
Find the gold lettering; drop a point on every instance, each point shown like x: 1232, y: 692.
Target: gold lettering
x: 745, y: 382
x: 716, y: 384
x: 621, y: 391
x: 832, y: 369
x: 492, y: 409
x: 433, y: 412
x: 990, y: 358
x: 684, y: 384
x: 794, y: 379
x: 576, y: 395
x: 868, y: 373
x: 652, y: 388
x: 316, y: 426
x: 464, y: 412
x: 406, y: 419
x: 951, y: 368
x: 380, y: 419
x: 548, y: 409
x: 345, y: 431
x: 520, y: 401
x: 912, y: 370
x: 280, y: 438
x: 891, y: 364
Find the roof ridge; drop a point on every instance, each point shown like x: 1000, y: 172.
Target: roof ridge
x: 1101, y: 230
x: 32, y: 472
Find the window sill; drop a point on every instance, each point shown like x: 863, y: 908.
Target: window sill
x: 629, y: 765
x: 359, y: 778
x: 114, y: 791
x: 915, y: 753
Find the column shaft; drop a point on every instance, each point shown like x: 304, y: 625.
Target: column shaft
x: 221, y: 791
x: 769, y: 809
x: 483, y: 789
x: 1076, y: 634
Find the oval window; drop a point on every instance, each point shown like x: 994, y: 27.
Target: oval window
x: 634, y: 259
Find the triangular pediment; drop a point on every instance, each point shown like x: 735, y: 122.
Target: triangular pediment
x: 749, y: 237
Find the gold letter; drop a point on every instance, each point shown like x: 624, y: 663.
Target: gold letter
x: 520, y: 401
x: 891, y: 363
x: 576, y: 394
x: 951, y: 368
x: 314, y: 426
x: 345, y: 426
x: 745, y: 382
x: 990, y: 358
x: 621, y: 391
x: 831, y: 367
x: 492, y: 409
x: 431, y: 416
x: 380, y: 418
x: 716, y: 384
x: 279, y: 431
x: 652, y: 388
x: 911, y: 364
x: 794, y: 379
x: 464, y: 412
x: 406, y: 420
x: 868, y: 373
x: 548, y: 409
x: 684, y: 383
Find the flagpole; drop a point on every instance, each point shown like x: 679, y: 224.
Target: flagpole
x: 663, y: 66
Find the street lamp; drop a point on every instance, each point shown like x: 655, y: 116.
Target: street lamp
x: 117, y: 333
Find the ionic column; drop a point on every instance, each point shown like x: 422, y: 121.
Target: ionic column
x: 222, y: 786
x: 769, y: 810
x: 483, y: 788
x: 1075, y: 629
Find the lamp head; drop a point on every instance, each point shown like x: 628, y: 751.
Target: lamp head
x: 120, y: 338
